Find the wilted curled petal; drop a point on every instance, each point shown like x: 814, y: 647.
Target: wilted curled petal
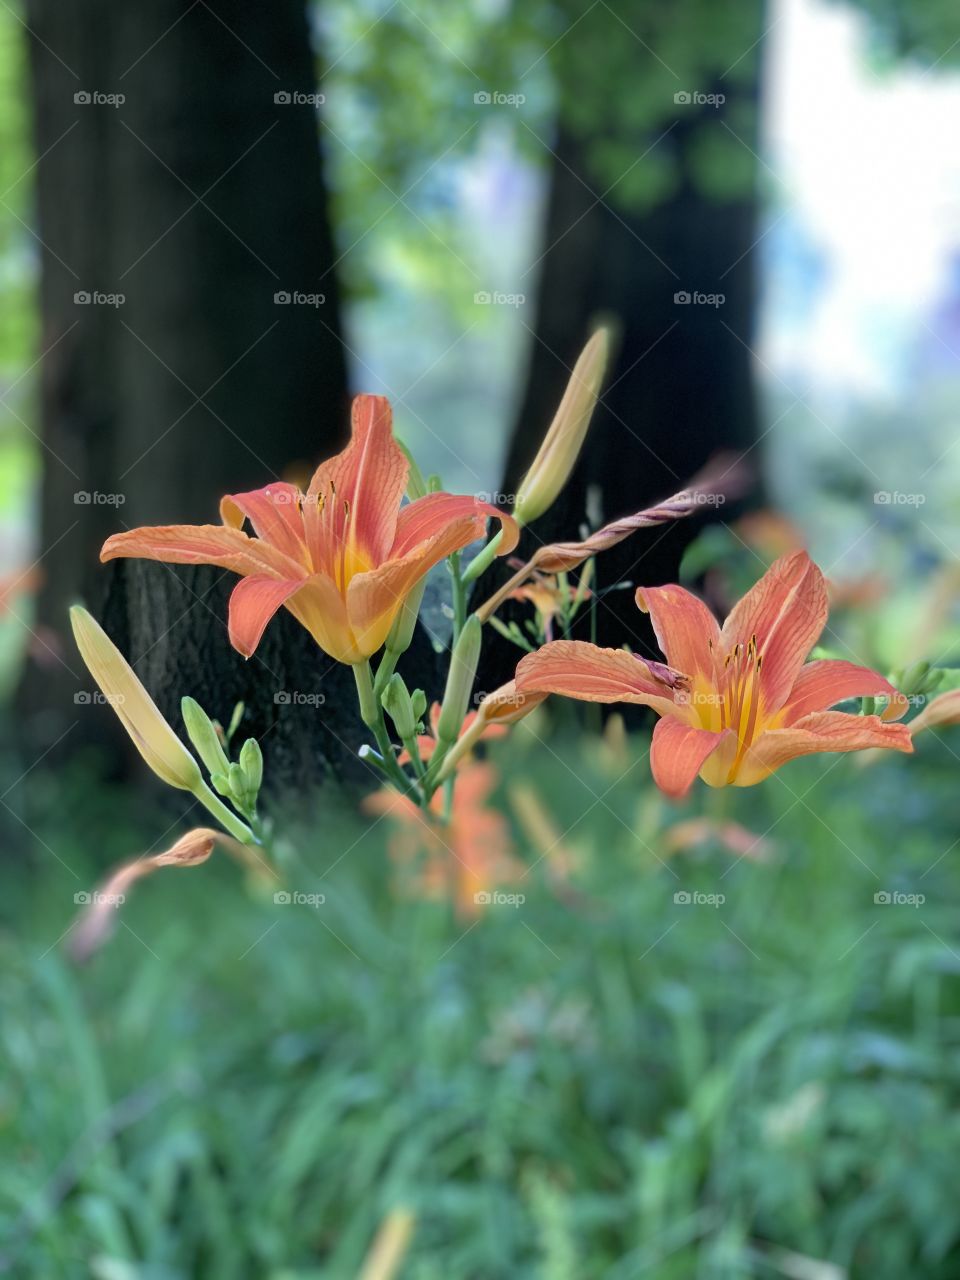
x: 712, y: 486
x: 96, y: 921
x: 944, y: 709
x: 508, y: 704
x: 726, y: 477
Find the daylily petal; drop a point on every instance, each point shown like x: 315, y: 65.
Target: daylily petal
x: 274, y: 512
x: 677, y: 754
x: 821, y: 731
x: 355, y: 496
x: 786, y: 611
x: 253, y: 602
x: 684, y: 627
x: 944, y: 709
x: 215, y: 544
x: 320, y: 607
x: 580, y: 670
x: 427, y: 517
x: 822, y: 684
x: 373, y: 598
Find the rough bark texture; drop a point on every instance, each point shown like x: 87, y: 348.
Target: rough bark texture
x: 198, y: 198
x: 679, y: 388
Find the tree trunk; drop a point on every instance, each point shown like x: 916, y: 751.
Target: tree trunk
x: 679, y: 388
x: 198, y: 196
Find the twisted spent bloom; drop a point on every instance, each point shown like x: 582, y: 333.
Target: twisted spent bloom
x: 735, y: 703
x: 724, y: 477
x: 342, y: 557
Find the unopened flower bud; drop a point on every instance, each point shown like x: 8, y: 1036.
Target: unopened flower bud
x: 401, y: 633
x: 203, y: 735
x: 151, y: 735
x: 251, y: 762
x: 557, y: 455
x: 418, y: 700
x: 463, y: 668
x: 399, y: 707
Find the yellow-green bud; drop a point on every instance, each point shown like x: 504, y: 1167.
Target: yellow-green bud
x: 251, y: 762
x: 151, y: 735
x: 203, y: 735
x: 399, y: 707
x: 418, y: 700
x: 557, y: 456
x: 919, y: 679
x: 463, y: 668
x: 401, y: 633
x: 238, y: 785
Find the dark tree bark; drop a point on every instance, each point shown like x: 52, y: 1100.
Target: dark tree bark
x: 198, y: 197
x: 679, y: 388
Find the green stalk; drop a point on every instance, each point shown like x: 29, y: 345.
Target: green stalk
x: 227, y: 819
x: 372, y: 716
x: 459, y: 595
x: 484, y: 558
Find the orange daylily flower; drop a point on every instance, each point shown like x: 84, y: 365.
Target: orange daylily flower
x: 470, y: 855
x: 341, y: 557
x: 741, y: 700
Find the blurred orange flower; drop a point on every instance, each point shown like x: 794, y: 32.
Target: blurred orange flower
x: 461, y: 860
x: 548, y: 595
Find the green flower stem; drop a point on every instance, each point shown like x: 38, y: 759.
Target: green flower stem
x: 459, y: 595
x: 413, y: 747
x: 372, y: 716
x: 227, y: 819
x: 483, y: 559
x: 385, y: 670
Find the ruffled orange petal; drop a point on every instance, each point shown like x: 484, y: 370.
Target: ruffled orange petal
x: 822, y: 684
x: 580, y: 670
x: 354, y: 497
x: 684, y: 626
x: 215, y: 544
x: 820, y: 731
x: 274, y: 513
x: 786, y: 611
x: 253, y: 602
x: 677, y: 754
x: 424, y: 519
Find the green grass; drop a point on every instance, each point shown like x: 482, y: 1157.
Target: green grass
x: 612, y: 1086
